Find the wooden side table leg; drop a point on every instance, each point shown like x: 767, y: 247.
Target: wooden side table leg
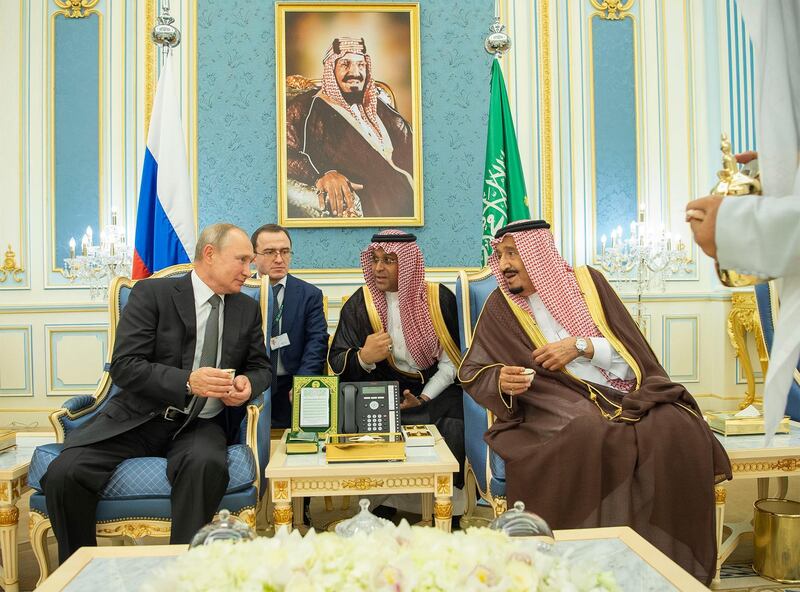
x: 427, y: 509
x: 9, y: 517
x: 783, y: 487
x: 763, y: 487
x: 297, y: 510
x: 443, y: 512
x: 282, y: 515
x: 443, y: 504
x: 719, y: 497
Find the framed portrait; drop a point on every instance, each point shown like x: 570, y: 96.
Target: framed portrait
x: 349, y: 114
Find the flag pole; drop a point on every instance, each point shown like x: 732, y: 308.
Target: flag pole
x: 504, y: 197
x: 497, y: 42
x: 164, y: 32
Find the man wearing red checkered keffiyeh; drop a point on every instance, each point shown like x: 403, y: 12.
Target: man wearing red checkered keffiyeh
x: 591, y: 429
x: 399, y: 327
x: 559, y: 308
x: 347, y: 143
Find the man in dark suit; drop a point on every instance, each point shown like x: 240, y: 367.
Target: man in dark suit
x: 174, y: 401
x: 299, y: 343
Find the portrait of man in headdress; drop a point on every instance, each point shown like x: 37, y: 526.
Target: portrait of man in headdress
x: 349, y: 156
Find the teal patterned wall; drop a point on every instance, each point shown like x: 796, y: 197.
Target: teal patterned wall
x: 237, y: 129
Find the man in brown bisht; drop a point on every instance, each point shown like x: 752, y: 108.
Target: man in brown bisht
x: 598, y: 434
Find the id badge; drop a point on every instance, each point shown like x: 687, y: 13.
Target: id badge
x: 278, y: 342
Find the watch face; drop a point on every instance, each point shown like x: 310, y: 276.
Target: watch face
x: 580, y: 344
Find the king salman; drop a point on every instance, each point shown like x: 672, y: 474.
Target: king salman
x: 398, y: 327
x: 592, y: 430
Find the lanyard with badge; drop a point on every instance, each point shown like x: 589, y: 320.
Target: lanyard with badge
x: 281, y: 340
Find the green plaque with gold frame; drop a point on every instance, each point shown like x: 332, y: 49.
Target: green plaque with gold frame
x: 314, y: 403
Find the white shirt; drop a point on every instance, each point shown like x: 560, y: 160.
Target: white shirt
x: 604, y: 357
x: 202, y: 310
x: 446, y: 372
x: 281, y: 371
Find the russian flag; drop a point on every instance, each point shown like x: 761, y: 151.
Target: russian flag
x: 165, y: 228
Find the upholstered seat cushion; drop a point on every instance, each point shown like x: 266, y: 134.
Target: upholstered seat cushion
x: 146, y: 477
x: 148, y: 508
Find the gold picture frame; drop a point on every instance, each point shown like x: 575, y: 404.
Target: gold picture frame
x: 337, y: 168
x: 329, y: 382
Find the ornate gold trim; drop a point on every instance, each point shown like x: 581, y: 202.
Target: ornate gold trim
x: 10, y: 267
x: 377, y: 325
x: 531, y: 329
x: 439, y: 326
x: 547, y: 115
x: 442, y: 510
x: 282, y: 515
x: 75, y: 8
x: 443, y: 484
x: 134, y: 529
x: 720, y: 495
x: 412, y: 10
x: 9, y: 516
x: 149, y: 64
x: 248, y: 515
x: 500, y: 504
x: 789, y: 465
x: 280, y: 490
x: 612, y: 10
x: 743, y: 319
x: 362, y: 483
x: 595, y: 306
x: 464, y: 279
x: 251, y: 440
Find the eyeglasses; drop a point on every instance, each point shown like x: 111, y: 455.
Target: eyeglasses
x: 271, y: 253
x: 384, y: 260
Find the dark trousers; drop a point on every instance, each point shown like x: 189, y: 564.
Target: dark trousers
x: 196, y: 468
x: 281, y: 406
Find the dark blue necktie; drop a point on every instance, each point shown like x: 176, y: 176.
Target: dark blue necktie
x: 276, y: 328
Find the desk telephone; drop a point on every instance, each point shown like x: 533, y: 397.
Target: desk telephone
x: 369, y: 407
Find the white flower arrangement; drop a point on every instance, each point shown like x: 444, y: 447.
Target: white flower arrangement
x: 394, y: 559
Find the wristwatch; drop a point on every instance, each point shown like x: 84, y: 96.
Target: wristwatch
x: 581, y: 345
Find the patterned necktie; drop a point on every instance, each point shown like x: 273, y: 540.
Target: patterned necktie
x: 208, y: 355
x: 276, y: 329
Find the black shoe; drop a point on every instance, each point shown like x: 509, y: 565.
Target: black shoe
x: 386, y: 512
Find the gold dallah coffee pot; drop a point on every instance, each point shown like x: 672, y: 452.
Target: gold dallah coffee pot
x: 734, y: 182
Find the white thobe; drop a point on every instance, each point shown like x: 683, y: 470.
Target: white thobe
x: 605, y: 357
x: 761, y: 235
x: 446, y: 372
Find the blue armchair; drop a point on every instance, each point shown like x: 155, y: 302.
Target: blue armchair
x: 768, y: 304
x: 136, y: 500
x: 483, y: 469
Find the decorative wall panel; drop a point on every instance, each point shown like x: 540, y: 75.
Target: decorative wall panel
x: 16, y: 372
x: 75, y: 359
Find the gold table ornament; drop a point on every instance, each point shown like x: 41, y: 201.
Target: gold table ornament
x: 743, y: 319
x: 734, y: 182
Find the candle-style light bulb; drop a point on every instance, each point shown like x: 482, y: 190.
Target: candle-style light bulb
x: 72, y: 248
x: 89, y: 235
x: 84, y: 245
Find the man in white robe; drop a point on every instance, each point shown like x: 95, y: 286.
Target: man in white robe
x: 761, y: 235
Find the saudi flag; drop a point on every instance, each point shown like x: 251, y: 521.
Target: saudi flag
x: 504, y: 198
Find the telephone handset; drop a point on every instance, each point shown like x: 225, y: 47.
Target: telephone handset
x: 369, y: 407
